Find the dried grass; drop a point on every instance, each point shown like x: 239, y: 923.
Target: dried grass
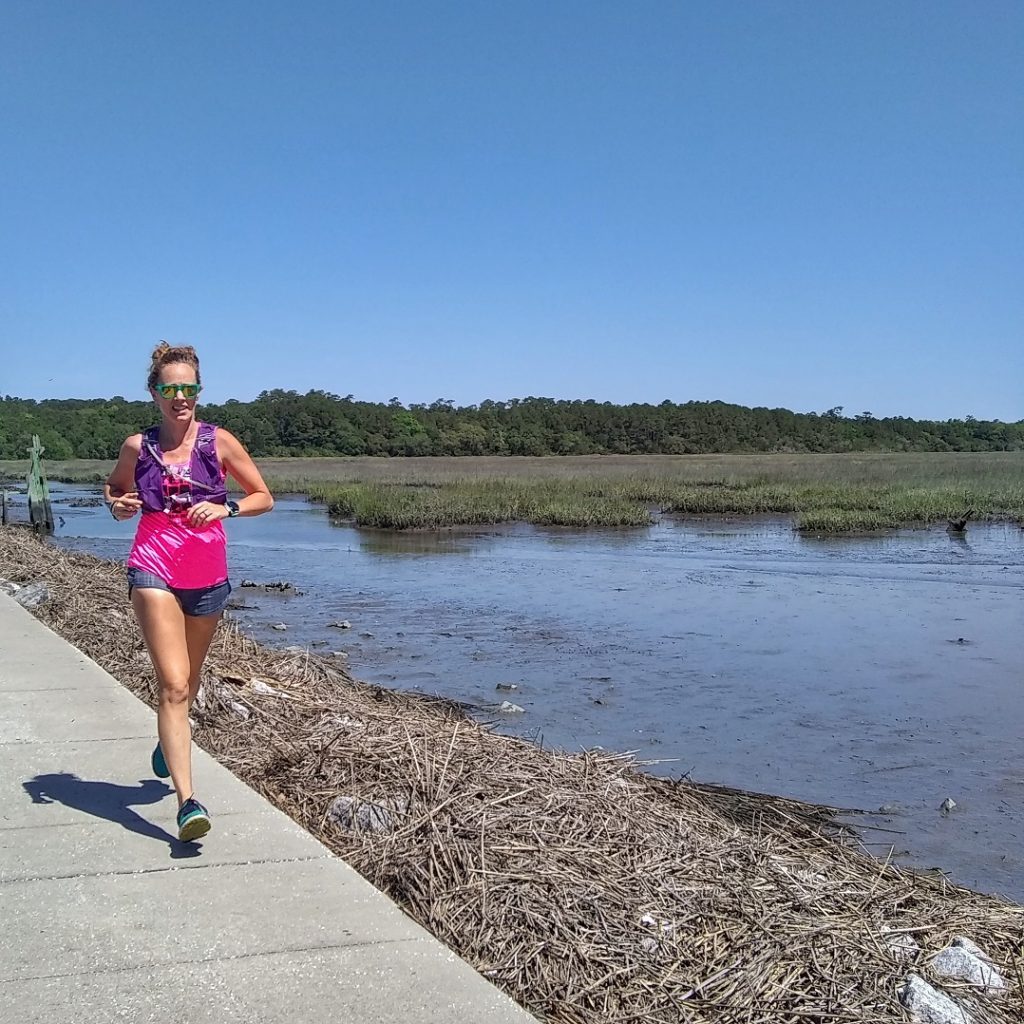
x: 590, y: 892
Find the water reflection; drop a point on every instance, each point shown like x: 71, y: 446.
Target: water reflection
x: 381, y: 542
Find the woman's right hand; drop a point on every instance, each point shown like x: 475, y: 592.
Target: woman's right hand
x: 126, y: 506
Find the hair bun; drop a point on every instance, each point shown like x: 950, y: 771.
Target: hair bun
x: 164, y: 354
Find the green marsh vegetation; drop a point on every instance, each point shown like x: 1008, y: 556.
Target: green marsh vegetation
x: 822, y: 493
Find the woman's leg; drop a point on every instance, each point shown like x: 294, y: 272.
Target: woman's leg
x: 199, y: 630
x: 164, y: 630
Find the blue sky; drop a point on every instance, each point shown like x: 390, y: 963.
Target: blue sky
x: 800, y: 204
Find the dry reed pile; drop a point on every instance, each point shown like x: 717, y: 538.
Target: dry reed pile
x: 589, y: 891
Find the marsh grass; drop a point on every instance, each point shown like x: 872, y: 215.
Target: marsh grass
x: 825, y: 493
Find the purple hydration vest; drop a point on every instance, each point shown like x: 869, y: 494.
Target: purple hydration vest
x: 174, y: 489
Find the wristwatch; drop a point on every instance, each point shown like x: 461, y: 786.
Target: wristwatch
x: 233, y: 509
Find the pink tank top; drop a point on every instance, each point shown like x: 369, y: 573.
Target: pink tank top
x: 166, y: 545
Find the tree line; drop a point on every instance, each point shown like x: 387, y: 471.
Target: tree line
x: 282, y: 422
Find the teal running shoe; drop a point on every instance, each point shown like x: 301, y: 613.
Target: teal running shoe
x: 160, y: 769
x: 193, y: 821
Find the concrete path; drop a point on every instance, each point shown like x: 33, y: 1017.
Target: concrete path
x: 104, y: 916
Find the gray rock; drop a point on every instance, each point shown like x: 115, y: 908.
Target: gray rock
x: 649, y: 945
x: 901, y: 945
x: 948, y: 805
x: 9, y: 587
x: 239, y: 709
x: 32, y: 595
x: 258, y: 686
x: 928, y: 1005
x: 965, y: 961
x: 343, y: 624
x: 279, y: 626
x: 507, y: 687
x: 506, y: 707
x: 343, y: 723
x: 353, y: 814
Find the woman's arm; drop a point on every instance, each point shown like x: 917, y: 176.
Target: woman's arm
x: 119, y: 490
x: 238, y: 462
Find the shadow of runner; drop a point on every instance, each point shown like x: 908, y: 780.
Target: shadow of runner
x: 110, y: 801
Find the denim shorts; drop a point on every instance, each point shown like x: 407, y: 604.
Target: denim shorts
x: 201, y: 601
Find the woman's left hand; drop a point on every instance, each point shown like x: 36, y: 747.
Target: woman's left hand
x: 206, y: 513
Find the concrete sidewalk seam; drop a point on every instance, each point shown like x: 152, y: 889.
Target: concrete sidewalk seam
x: 54, y: 689
x: 160, y: 871
x: 216, y: 959
x: 56, y: 743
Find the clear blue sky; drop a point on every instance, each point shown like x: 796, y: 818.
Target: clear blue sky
x: 802, y: 204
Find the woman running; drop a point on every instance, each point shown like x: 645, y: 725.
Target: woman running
x: 174, y: 473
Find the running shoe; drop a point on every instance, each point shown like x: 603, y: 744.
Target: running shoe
x: 160, y: 769
x: 193, y: 821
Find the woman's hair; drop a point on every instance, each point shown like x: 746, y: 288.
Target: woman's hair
x: 164, y: 354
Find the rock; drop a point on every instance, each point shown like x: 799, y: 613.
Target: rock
x: 9, y: 587
x: 366, y: 636
x: 318, y: 643
x: 258, y: 686
x: 901, y: 945
x: 32, y: 595
x: 282, y: 585
x: 964, y: 961
x: 948, y: 805
x: 340, y: 654
x: 507, y: 687
x: 928, y: 1005
x: 647, y: 921
x: 279, y: 626
x: 649, y: 945
x: 508, y: 708
x: 295, y: 649
x: 344, y: 723
x: 351, y: 814
x: 239, y: 709
x: 890, y: 809
x: 343, y: 624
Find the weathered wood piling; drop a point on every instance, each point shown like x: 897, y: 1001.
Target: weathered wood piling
x: 40, y: 513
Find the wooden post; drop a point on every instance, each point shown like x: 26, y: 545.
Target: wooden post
x: 3, y: 508
x: 39, y: 511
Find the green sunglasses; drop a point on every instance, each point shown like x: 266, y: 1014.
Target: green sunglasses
x: 170, y: 390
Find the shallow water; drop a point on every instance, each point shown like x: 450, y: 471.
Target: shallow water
x: 858, y: 672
